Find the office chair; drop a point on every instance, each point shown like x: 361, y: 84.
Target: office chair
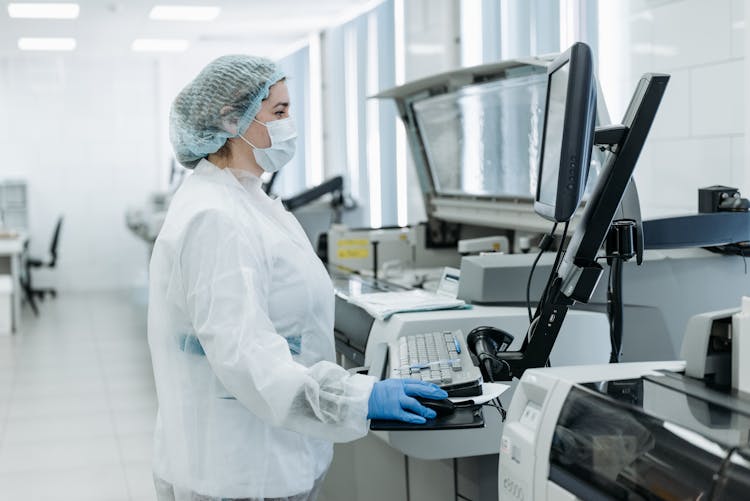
x: 31, y: 262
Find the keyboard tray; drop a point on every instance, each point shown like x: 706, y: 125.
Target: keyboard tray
x: 462, y: 418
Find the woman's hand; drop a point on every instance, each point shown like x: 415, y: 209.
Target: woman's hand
x: 392, y: 399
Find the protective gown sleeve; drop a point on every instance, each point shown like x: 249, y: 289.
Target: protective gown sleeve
x: 225, y: 276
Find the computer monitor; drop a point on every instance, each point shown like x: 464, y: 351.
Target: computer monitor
x: 567, y: 137
x: 579, y: 272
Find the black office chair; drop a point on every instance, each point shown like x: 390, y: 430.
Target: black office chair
x: 31, y: 262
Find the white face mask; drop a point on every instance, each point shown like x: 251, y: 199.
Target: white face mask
x: 283, y: 136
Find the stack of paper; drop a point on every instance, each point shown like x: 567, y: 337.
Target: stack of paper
x: 384, y: 304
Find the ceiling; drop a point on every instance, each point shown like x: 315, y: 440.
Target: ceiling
x: 108, y: 27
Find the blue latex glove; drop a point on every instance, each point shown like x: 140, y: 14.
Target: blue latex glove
x: 392, y: 399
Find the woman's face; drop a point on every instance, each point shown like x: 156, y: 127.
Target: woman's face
x: 275, y: 107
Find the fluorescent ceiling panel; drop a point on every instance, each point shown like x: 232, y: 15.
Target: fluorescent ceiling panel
x: 28, y: 43
x: 159, y: 45
x: 184, y: 13
x: 43, y: 10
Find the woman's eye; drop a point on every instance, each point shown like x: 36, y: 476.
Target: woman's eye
x: 279, y: 113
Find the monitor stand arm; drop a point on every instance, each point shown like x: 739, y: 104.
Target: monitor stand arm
x: 609, y: 138
x: 542, y: 335
x: 578, y: 284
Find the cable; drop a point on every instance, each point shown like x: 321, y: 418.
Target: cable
x: 553, y: 272
x: 615, y: 308
x: 530, y: 331
x: 528, y: 284
x: 612, y: 342
x: 544, y: 245
x: 498, y: 406
x: 503, y: 413
x: 735, y: 249
x: 618, y: 301
x: 550, y: 280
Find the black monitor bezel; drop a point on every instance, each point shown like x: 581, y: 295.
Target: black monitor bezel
x: 577, y: 137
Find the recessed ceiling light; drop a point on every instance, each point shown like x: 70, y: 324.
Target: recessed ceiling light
x: 43, y: 10
x: 159, y: 45
x: 184, y: 13
x: 28, y: 43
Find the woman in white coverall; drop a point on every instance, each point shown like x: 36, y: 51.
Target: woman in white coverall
x: 240, y: 321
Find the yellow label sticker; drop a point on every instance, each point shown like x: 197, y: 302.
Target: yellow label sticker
x: 353, y: 242
x: 353, y: 253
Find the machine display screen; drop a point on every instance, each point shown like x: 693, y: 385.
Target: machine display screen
x: 553, y: 132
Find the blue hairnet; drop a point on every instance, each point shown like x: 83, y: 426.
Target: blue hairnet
x: 218, y: 104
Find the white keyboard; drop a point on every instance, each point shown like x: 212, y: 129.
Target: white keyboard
x: 436, y: 357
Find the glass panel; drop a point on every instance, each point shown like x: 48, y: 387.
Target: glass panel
x: 483, y: 139
x: 735, y: 479
x: 614, y: 449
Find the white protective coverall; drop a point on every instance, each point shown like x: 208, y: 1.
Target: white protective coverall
x: 240, y: 328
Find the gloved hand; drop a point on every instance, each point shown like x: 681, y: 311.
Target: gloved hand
x: 392, y: 399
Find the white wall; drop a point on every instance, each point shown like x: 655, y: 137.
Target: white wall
x: 698, y: 138
x: 83, y: 133
x: 90, y: 135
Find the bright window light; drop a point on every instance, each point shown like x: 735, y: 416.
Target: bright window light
x: 614, y: 76
x: 399, y: 34
x: 46, y: 43
x: 184, y: 13
x: 569, y: 23
x: 159, y: 45
x: 399, y: 29
x: 373, y: 124
x: 43, y: 10
x: 402, y: 200
x: 426, y: 49
x: 315, y: 151
x: 471, y: 33
x: 351, y: 104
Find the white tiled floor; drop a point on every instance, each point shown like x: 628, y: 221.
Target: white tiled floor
x: 77, y: 402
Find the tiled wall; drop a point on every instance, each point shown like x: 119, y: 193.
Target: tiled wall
x: 698, y: 138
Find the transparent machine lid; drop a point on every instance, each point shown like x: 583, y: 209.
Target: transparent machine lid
x: 475, y: 135
x: 639, y: 439
x: 483, y: 139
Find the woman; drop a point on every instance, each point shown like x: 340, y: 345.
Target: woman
x: 241, y: 311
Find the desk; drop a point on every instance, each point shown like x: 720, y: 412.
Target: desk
x: 10, y: 253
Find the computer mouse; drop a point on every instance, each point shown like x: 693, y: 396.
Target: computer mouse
x: 441, y: 407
